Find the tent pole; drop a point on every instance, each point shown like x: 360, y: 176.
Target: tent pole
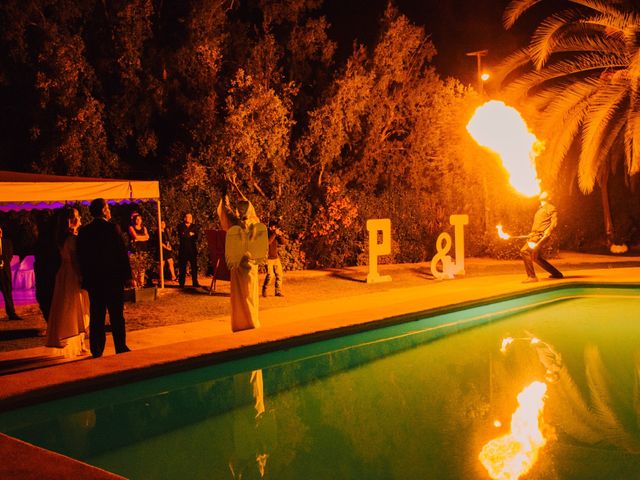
x: 160, y: 245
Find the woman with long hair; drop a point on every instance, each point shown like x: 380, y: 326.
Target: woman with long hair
x: 69, y: 314
x: 138, y: 234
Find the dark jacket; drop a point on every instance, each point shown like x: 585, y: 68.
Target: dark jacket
x: 102, y: 255
x: 188, y: 243
x: 275, y: 240
x: 7, y: 254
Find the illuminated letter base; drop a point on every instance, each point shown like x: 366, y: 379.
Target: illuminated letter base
x: 376, y: 249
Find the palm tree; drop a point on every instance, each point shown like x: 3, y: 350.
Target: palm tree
x: 581, y: 71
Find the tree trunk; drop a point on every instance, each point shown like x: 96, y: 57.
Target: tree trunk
x: 606, y: 208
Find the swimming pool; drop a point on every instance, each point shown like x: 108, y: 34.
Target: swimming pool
x: 414, y: 400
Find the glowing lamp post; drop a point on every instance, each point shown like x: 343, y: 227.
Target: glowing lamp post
x: 480, y: 75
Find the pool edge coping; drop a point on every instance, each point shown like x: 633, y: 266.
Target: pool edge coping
x: 155, y: 367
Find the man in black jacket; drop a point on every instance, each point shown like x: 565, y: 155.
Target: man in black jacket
x: 105, y: 269
x: 6, y: 253
x: 188, y: 250
x: 47, y: 263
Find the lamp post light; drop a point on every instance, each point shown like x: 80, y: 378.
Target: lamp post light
x: 481, y: 77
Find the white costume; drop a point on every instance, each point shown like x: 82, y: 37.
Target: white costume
x: 245, y: 247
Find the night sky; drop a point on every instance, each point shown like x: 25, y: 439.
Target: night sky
x: 456, y: 26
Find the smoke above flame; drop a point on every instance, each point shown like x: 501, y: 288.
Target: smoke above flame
x: 512, y: 455
x: 502, y: 130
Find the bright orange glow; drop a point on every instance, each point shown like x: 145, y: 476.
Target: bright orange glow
x: 485, y: 76
x: 502, y: 130
x: 532, y: 245
x: 512, y: 455
x: 502, y: 234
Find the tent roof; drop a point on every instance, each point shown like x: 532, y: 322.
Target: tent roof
x: 27, y: 191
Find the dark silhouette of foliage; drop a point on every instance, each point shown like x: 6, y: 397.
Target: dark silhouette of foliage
x: 200, y: 93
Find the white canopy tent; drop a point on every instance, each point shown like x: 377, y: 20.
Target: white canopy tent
x: 28, y: 191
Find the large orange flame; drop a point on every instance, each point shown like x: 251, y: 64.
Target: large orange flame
x: 513, y: 455
x: 502, y: 130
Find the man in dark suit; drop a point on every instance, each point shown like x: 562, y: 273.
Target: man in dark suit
x: 6, y: 252
x: 188, y: 250
x: 105, y: 269
x: 47, y: 263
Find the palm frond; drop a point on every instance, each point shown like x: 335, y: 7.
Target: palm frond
x: 579, y: 41
x: 613, y: 141
x: 611, y: 426
x: 632, y: 134
x: 619, y: 25
x: 510, y: 65
x: 545, y: 36
x: 561, y: 134
x: 612, y: 7
x: 602, y: 109
x: 515, y: 9
x: 633, y: 72
x: 582, y: 72
x: 558, y: 98
x: 574, y: 69
x: 572, y: 414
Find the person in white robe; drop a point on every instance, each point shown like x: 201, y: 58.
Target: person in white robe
x: 245, y: 248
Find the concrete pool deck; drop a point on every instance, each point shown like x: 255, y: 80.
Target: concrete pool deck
x: 163, y: 350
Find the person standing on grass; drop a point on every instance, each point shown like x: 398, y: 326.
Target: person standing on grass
x: 69, y: 312
x: 6, y: 253
x: 276, y: 238
x: 544, y: 223
x: 245, y: 247
x: 105, y: 270
x: 188, y: 250
x: 47, y: 263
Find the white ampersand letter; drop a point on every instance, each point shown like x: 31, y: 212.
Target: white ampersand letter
x: 443, y: 245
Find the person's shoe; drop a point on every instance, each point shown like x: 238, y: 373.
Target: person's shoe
x: 14, y: 317
x: 197, y: 285
x: 530, y: 280
x: 555, y: 275
x: 124, y: 350
x: 279, y: 294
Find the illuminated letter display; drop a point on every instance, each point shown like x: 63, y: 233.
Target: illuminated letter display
x: 443, y: 245
x: 382, y: 225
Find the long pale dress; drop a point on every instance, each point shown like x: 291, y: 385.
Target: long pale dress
x: 245, y: 285
x: 69, y: 315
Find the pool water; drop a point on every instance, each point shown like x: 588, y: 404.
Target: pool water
x: 416, y: 400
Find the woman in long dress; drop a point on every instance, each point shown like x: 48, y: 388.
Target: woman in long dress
x: 69, y: 315
x: 245, y: 285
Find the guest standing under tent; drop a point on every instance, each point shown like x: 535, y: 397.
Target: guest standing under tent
x: 6, y: 287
